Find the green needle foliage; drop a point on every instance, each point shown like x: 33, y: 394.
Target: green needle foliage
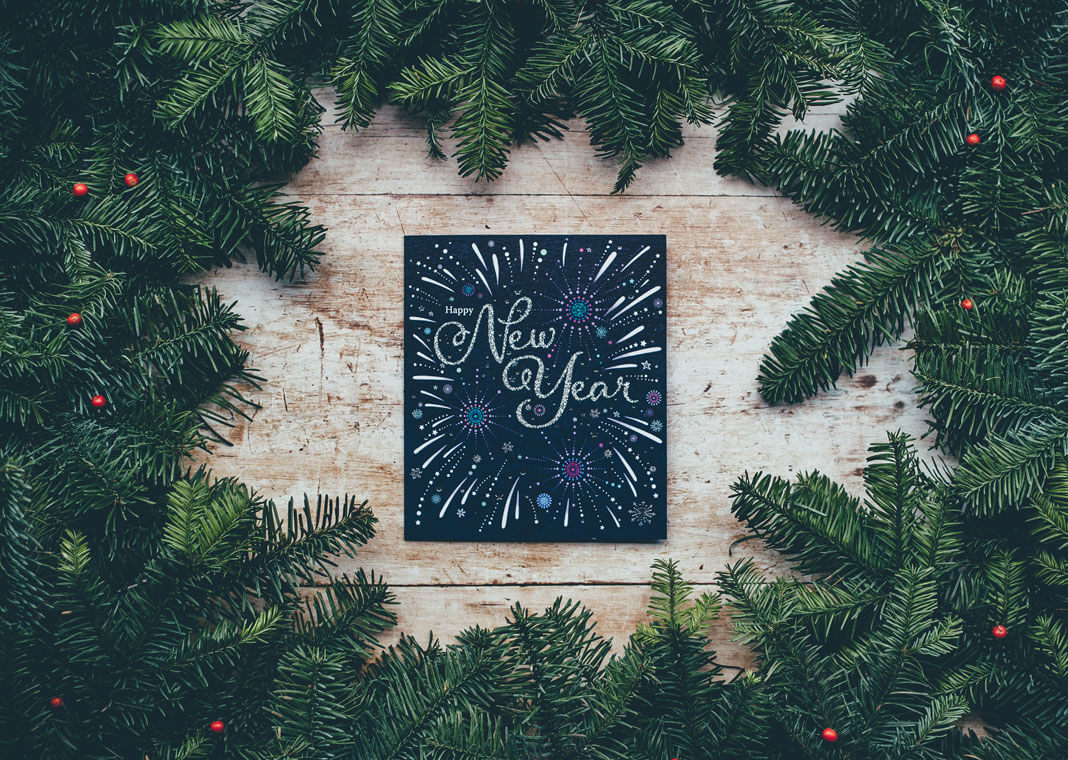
x: 879, y: 640
x: 948, y: 220
x: 149, y: 597
x: 500, y: 72
x: 152, y: 598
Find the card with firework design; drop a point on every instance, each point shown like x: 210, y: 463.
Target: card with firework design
x: 534, y: 388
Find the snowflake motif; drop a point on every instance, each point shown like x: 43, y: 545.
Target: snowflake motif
x: 476, y: 458
x: 435, y: 498
x: 461, y: 512
x: 544, y: 500
x: 641, y: 514
x: 601, y: 332
x: 595, y: 413
x: 416, y: 473
x: 653, y: 398
x: 417, y: 414
x: 507, y: 447
x: 656, y: 426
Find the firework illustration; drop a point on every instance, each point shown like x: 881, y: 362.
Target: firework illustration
x: 534, y: 380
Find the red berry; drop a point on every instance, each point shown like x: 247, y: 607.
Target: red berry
x: 968, y: 304
x: 98, y: 401
x: 972, y: 139
x: 56, y: 701
x: 217, y: 726
x: 998, y: 82
x: 74, y: 319
x: 830, y: 735
x: 80, y: 189
x: 131, y: 179
x: 1000, y: 631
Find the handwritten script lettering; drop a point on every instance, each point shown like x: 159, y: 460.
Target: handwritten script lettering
x: 454, y: 342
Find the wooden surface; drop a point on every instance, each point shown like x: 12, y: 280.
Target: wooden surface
x: 740, y: 261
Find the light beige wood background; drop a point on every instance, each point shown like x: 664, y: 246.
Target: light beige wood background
x: 740, y: 262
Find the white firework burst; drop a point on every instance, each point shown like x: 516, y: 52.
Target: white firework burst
x: 641, y: 513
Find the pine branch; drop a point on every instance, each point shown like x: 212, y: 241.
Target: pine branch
x: 868, y: 304
x: 814, y: 522
x: 1001, y: 474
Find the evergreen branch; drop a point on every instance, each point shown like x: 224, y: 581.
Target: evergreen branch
x: 482, y: 129
x: 815, y: 522
x: 367, y: 53
x: 300, y: 546
x: 198, y: 39
x: 1002, y: 473
x: 222, y: 644
x: 893, y: 481
x: 348, y: 615
x: 1051, y: 639
x: 271, y: 100
x: 861, y: 308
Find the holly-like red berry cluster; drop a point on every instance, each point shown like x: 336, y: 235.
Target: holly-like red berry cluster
x: 81, y: 189
x: 997, y: 83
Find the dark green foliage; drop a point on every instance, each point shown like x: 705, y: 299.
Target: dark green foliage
x: 959, y: 220
x: 993, y: 221
x: 863, y: 645
x: 500, y: 72
x: 153, y: 597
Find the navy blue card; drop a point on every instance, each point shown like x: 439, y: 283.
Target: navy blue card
x: 534, y: 388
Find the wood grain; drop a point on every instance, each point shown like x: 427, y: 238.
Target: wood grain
x: 445, y: 611
x: 740, y: 262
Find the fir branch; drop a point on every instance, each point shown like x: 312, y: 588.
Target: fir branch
x: 1001, y: 474
x: 866, y: 305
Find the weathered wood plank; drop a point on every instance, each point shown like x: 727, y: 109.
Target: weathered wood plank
x: 331, y: 350
x: 448, y: 610
x: 740, y: 263
x: 390, y: 157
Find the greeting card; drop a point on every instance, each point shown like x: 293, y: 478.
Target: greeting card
x: 534, y: 388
